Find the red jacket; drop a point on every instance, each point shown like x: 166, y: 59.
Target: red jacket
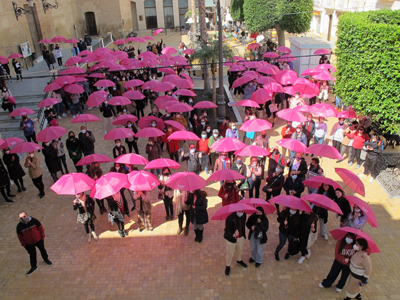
x: 289, y: 135
x: 172, y: 145
x: 202, y: 146
x: 347, y: 252
x: 233, y: 195
x: 222, y: 129
x: 31, y: 233
x: 359, y: 141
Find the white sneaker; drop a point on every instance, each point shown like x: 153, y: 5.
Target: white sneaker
x: 320, y: 285
x: 325, y: 237
x: 301, y: 259
x: 371, y: 180
x: 59, y: 117
x: 64, y: 114
x: 89, y: 108
x: 338, y: 290
x: 105, y: 132
x: 73, y: 116
x: 95, y: 236
x: 309, y: 253
x: 361, y: 175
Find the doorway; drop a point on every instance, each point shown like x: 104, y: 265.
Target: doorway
x: 135, y: 23
x: 34, y: 28
x: 91, y: 27
x: 151, y: 14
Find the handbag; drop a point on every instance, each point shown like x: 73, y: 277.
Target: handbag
x: 82, y: 218
x: 160, y: 195
x: 294, y: 247
x: 244, y: 186
x: 273, y: 107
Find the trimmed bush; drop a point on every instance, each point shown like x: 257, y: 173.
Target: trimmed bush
x: 237, y: 10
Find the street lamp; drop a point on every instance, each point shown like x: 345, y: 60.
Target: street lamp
x: 47, y: 6
x: 20, y: 10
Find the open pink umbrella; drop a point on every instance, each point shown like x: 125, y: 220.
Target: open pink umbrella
x: 184, y: 92
x: 324, y: 75
x: 283, y: 49
x: 104, y: 83
x: 289, y: 90
x: 85, y: 53
x: 117, y: 68
x: 26, y: 147
x: 189, y: 51
x: 287, y: 57
x: 119, y: 134
x: 119, y: 100
x: 255, y: 202
x: 253, y: 64
x: 149, y: 38
x: 48, y: 102
x: 131, y: 159
x: 227, y: 145
x: 63, y: 80
x: 364, y: 206
x: 157, y: 31
x: 74, y: 89
x: 123, y: 119
x: 167, y: 71
x: 161, y: 99
x: 96, y: 98
x: 305, y: 90
x: 322, y: 52
x: 21, y: 112
x: 205, y: 104
x: 252, y: 74
x: 293, y: 145
x: 179, y: 59
x: 71, y: 41
x: 81, y: 79
x: 323, y: 201
x: 286, y: 77
x: 45, y: 41
x: 179, y: 107
x: 146, y: 122
x: 226, y: 211
x: 271, y: 55
x: 323, y: 110
x: 168, y: 50
x: 142, y: 181
x: 10, y: 142
x: 241, y: 81
x: 172, y: 78
x: 183, y: 136
x: 347, y: 114
x: 324, y: 150
x: 73, y: 61
x: 133, y: 95
x: 74, y: 70
x: 237, y: 68
x: 252, y: 151
x: 162, y: 163
x: 85, y: 118
x: 150, y: 85
x: 164, y: 86
x: 119, y: 42
x: 149, y: 132
x: 109, y: 184
x: 175, y: 124
x: 97, y: 75
x: 310, y: 72
x: 100, y: 158
x: 51, y: 133
x: 15, y: 55
x: 302, y: 108
x: 164, y: 56
x: 316, y: 181
x: 268, y: 69
x: 186, y: 181
x: 292, y: 202
x: 185, y: 84
x: 274, y: 87
x: 340, y: 233
x: 58, y: 39
x: 325, y: 67
x: 133, y: 83
x: 225, y: 174
x: 291, y: 115
x: 246, y: 102
x: 167, y: 63
x: 261, y: 96
x: 256, y: 125
x: 165, y: 105
x: 3, y: 60
x: 352, y: 180
x: 72, y: 184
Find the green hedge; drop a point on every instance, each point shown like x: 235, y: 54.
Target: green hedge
x: 237, y: 10
x: 370, y: 81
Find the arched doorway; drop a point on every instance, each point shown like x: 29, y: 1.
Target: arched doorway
x: 150, y: 13
x: 91, y: 27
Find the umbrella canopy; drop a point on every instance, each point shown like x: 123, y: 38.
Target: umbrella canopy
x: 261, y: 96
x: 52, y: 87
x: 324, y: 151
x: 186, y: 181
x: 164, y: 86
x: 167, y: 71
x: 269, y: 69
x: 283, y: 49
x: 58, y: 39
x: 322, y: 52
x: 157, y: 31
x: 310, y: 72
x: 168, y: 50
x: 100, y: 158
x: 162, y: 99
x: 97, y: 75
x: 119, y: 42
x: 340, y: 233
x: 172, y: 78
x: 10, y: 142
x: 205, y: 104
x: 183, y: 136
x: 227, y: 145
x: 21, y: 112
x: 133, y: 83
x: 50, y: 133
x: 131, y: 159
x: 237, y: 68
x: 189, y: 51
x: 108, y: 185
x: 325, y: 67
x: 247, y: 102
x: 162, y: 163
x: 305, y: 90
x: 254, y: 202
x: 15, y: 55
x: 71, y: 41
x: 149, y: 132
x: 286, y: 77
x: 287, y: 57
x: 142, y: 181
x: 73, y: 61
x: 253, y: 46
x: 147, y: 55
x: 271, y: 55
x: 119, y: 134
x: 146, y: 122
x: 133, y: 95
x: 175, y: 124
x: 104, y: 83
x: 292, y: 144
x: 225, y: 174
x: 48, y: 102
x: 316, y: 181
x: 74, y: 89
x: 227, y: 210
x: 302, y: 108
x: 117, y: 68
x: 274, y: 87
x: 323, y: 201
x: 256, y: 125
x: 85, y: 53
x: 72, y: 184
x: 352, y: 180
x: 179, y: 107
x: 291, y: 115
x: 165, y: 105
x: 323, y: 110
x: 3, y: 60
x: 119, y: 100
x: 347, y: 114
x: 26, y: 147
x: 96, y: 98
x: 252, y: 151
x: 184, y: 92
x: 73, y: 70
x: 123, y: 119
x: 367, y: 210
x: 242, y: 80
x: 63, y: 80
x: 292, y: 202
x: 185, y: 84
x: 323, y: 75
x: 85, y: 118
x: 150, y: 85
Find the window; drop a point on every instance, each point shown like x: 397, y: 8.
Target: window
x: 150, y: 14
x: 168, y: 14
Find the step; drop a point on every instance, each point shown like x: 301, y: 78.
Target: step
x: 13, y: 133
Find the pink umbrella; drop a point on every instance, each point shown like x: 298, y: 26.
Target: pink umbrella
x: 323, y: 110
x: 87, y: 160
x: 347, y: 114
x: 120, y: 54
x: 227, y: 145
x: 340, y: 233
x: 261, y: 96
x: 293, y: 145
x: 186, y: 181
x: 179, y: 59
x: 283, y: 49
x: 21, y: 112
x: 167, y: 63
x: 163, y: 99
x: 248, y: 103
x: 119, y: 42
x: 165, y: 105
x: 310, y: 72
x: 142, y: 181
x: 323, y: 201
x: 73, y: 61
x: 255, y: 125
x: 324, y: 75
x: 131, y: 159
x: 271, y: 55
x: 85, y: 118
x: 324, y: 151
x: 179, y: 107
x: 164, y: 86
x: 167, y: 71
x: 117, y: 68
x: 252, y: 151
x: 227, y: 210
x: 119, y: 134
x: 104, y: 83
x: 149, y: 63
x: 205, y: 104
x: 74, y: 70
x: 74, y: 89
x: 81, y: 79
x: 164, y: 56
x: 325, y: 67
x: 45, y: 41
x: 302, y: 108
x: 71, y: 41
x: 287, y: 57
x: 123, y: 119
x: 265, y: 80
x: 72, y: 184
x: 253, y: 65
x: 322, y: 52
x: 15, y: 55
x: 3, y: 60
x: 138, y: 40
x: 274, y: 87
x: 48, y: 102
x: 26, y: 147
x: 175, y: 124
x: 50, y: 133
x: 108, y: 185
x: 292, y: 202
x: 149, y: 132
x: 291, y: 115
x: 255, y: 202
x: 158, y: 31
x: 241, y: 81
x: 252, y: 74
x: 352, y: 180
x: 146, y: 122
x: 97, y: 75
x: 10, y: 142
x: 316, y: 181
x: 364, y: 206
x: 172, y: 78
x: 289, y: 90
x: 237, y: 68
x: 253, y: 46
x: 305, y: 89
x: 184, y: 92
x: 63, y: 80
x: 168, y: 50
x: 189, y: 51
x: 149, y: 38
x: 286, y: 77
x: 225, y: 174
x: 133, y: 83
x: 185, y: 84
x: 162, y: 163
x: 183, y: 136
x: 119, y: 100
x: 96, y: 98
x: 150, y: 85
x: 133, y: 95
x: 58, y: 39
x: 85, y: 53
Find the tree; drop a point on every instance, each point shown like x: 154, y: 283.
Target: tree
x: 237, y: 10
x: 369, y: 81
x: 293, y: 16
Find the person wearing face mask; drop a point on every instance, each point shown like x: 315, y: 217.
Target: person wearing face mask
x: 118, y: 149
x: 28, y: 126
x: 360, y: 137
x: 234, y: 234
x: 337, y: 133
x: 208, y: 130
x: 232, y: 131
x: 274, y: 159
x: 211, y: 140
x: 249, y: 89
x: 344, y: 206
x: 204, y: 116
x: 7, y: 104
x: 321, y: 130
x: 199, y: 125
x: 326, y: 190
x: 347, y: 142
x: 118, y: 207
x: 308, y: 234
x: 197, y: 202
x: 262, y: 141
x: 360, y: 269
x: 166, y: 193
x: 192, y: 158
x: 274, y: 184
x: 153, y: 151
x: 51, y: 159
x: 289, y: 229
x: 172, y: 145
x: 314, y: 170
x: 253, y: 174
x: 309, y: 129
x: 181, y: 209
x: 258, y: 226
x: 297, y: 165
x: 51, y: 116
x: 181, y: 119
x: 85, y: 206
x: 343, y: 252
x: 374, y: 149
x: 202, y: 147
x: 61, y: 155
x: 132, y: 140
x: 11, y: 160
x: 30, y: 234
x: 357, y: 218
x: 108, y: 113
x: 296, y: 101
x: 86, y: 138
x: 324, y: 92
x: 144, y: 210
x: 286, y: 133
x: 315, y: 85
x: 32, y: 162
x: 239, y: 167
x: 294, y: 184
x: 155, y: 112
x: 225, y: 126
x: 229, y: 192
x: 74, y: 150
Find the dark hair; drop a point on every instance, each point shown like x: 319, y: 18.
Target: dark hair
x: 354, y: 123
x: 340, y: 190
x: 361, y: 211
x: 166, y: 168
x: 330, y: 193
x: 316, y: 160
x: 363, y: 243
x: 343, y: 241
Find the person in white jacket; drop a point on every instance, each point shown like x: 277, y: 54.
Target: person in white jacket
x: 337, y: 133
x: 321, y: 130
x: 58, y: 55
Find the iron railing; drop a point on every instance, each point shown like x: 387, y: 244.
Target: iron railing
x: 40, y: 116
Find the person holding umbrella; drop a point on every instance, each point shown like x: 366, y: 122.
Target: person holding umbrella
x: 153, y: 151
x: 326, y: 190
x: 300, y: 136
x: 202, y: 147
x: 240, y: 167
x: 14, y: 169
x: 344, y: 207
x: 337, y: 133
x: 86, y: 138
x: 144, y: 210
x: 74, y: 150
x: 172, y: 145
x: 51, y: 159
x: 7, y: 104
x: 118, y: 207
x: 5, y: 183
x: 28, y: 126
x: 85, y: 206
x: 229, y: 192
x: 166, y: 193
x: 286, y: 133
x: 118, y: 149
x: 258, y: 226
x: 17, y: 69
x: 321, y: 130
x: 289, y: 229
x: 357, y: 218
x: 275, y: 159
x: 198, y: 215
x: 253, y: 174
x: 360, y: 137
x: 211, y: 140
x: 374, y: 149
x: 274, y: 184
x: 294, y: 185
x: 192, y: 158
x: 309, y: 129
x: 308, y: 224
x: 32, y: 162
x: 132, y: 141
x: 298, y: 165
x: 108, y: 113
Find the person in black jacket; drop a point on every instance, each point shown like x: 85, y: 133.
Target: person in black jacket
x: 345, y: 207
x: 118, y: 149
x: 235, y: 234
x: 294, y: 185
x: 374, y: 149
x: 118, y: 207
x: 192, y: 158
x: 289, y: 229
x: 132, y: 141
x: 51, y: 159
x: 297, y: 164
x: 108, y: 113
x: 326, y: 190
x: 86, y: 138
x: 198, y: 215
x: 85, y: 206
x: 240, y: 167
x: 14, y: 169
x: 5, y: 183
x: 166, y: 193
x: 258, y: 225
x: 274, y: 184
x: 308, y: 223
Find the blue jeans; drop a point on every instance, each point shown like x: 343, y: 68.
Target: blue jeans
x: 158, y: 172
x: 59, y: 108
x: 318, y: 140
x: 282, y: 240
x: 204, y: 158
x: 77, y: 108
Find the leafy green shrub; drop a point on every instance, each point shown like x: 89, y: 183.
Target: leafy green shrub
x: 237, y: 10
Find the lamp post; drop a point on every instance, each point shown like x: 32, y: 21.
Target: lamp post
x: 47, y: 6
x: 220, y: 98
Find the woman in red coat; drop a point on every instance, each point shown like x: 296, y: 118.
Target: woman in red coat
x: 360, y: 137
x: 172, y: 145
